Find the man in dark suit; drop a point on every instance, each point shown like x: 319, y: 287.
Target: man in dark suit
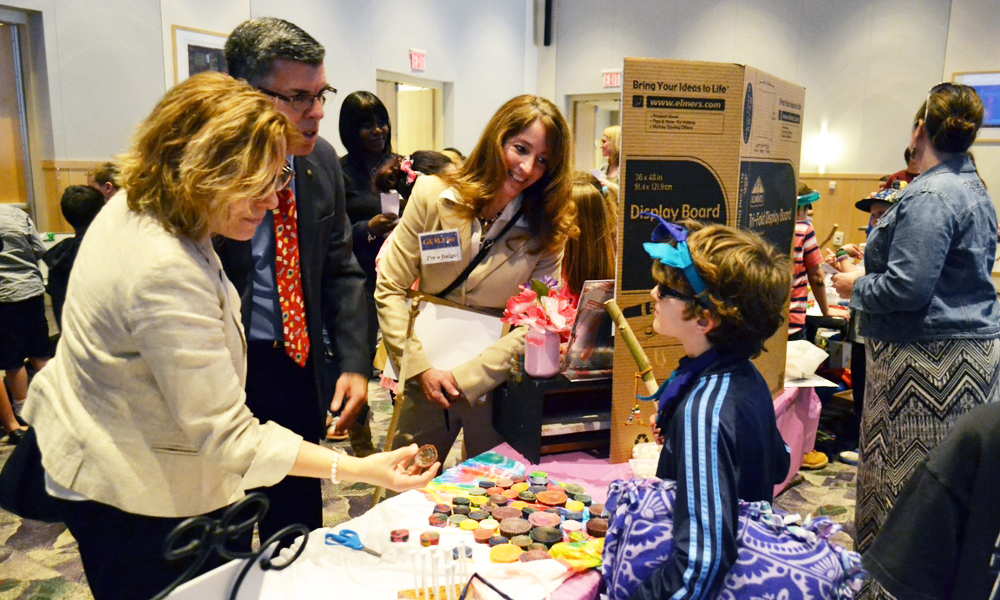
x: 286, y: 378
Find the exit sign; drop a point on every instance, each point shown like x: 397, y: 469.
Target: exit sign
x: 418, y: 60
x: 612, y: 79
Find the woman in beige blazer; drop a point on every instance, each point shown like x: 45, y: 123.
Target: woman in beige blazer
x: 141, y: 418
x: 520, y: 170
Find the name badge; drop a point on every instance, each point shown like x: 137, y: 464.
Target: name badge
x: 440, y: 247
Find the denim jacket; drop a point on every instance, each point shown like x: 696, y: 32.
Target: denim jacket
x: 928, y: 261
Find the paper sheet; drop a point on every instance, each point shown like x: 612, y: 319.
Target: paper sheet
x: 451, y: 336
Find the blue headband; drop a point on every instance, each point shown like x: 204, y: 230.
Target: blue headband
x: 670, y: 255
x: 808, y: 198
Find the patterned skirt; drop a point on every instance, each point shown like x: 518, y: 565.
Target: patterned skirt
x: 914, y: 394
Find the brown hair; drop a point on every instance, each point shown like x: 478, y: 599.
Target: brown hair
x: 548, y: 202
x: 210, y: 141
x: 592, y: 254
x: 105, y: 173
x: 747, y: 283
x: 952, y: 115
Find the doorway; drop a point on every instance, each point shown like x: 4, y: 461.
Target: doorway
x: 417, y: 109
x: 15, y: 166
x: 591, y: 114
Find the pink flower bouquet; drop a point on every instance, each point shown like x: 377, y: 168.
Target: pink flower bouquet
x: 542, y: 306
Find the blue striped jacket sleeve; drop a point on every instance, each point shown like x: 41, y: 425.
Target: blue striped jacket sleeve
x: 706, y: 507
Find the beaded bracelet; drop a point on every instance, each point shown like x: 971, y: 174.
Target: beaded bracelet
x: 333, y: 465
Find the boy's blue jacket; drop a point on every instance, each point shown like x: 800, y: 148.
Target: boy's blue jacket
x: 721, y: 444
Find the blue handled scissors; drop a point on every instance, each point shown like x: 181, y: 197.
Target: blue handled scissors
x: 349, y: 538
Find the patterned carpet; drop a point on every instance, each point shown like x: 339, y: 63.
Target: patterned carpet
x: 40, y: 560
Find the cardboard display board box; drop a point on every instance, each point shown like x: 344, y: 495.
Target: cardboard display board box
x: 715, y: 142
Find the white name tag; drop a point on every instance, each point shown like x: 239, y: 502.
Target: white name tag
x: 440, y: 247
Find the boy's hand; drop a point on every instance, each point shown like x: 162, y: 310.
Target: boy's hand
x: 657, y: 434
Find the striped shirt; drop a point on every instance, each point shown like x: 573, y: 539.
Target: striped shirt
x: 807, y: 255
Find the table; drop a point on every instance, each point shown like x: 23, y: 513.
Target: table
x: 325, y: 570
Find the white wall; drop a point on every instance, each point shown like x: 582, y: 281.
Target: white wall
x: 865, y: 65
x: 972, y: 47
x: 109, y: 61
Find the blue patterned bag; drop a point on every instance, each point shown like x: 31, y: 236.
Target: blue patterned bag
x: 774, y: 561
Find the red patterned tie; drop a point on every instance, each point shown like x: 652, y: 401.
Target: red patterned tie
x: 286, y: 270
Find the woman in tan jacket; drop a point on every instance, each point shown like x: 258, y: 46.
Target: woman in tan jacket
x: 141, y: 417
x: 520, y: 172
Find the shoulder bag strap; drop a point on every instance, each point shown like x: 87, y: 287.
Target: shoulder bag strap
x: 484, y: 249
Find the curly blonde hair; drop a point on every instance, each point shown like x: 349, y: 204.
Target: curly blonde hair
x: 548, y: 203
x: 210, y: 141
x: 747, y: 282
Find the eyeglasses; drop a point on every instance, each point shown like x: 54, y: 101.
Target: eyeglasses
x: 284, y: 179
x: 304, y: 101
x: 665, y: 291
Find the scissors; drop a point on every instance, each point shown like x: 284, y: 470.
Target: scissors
x: 349, y: 538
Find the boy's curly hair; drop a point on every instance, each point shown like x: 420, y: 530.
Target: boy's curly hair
x: 747, y: 284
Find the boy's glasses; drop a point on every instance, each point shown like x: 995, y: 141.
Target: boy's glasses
x: 665, y: 291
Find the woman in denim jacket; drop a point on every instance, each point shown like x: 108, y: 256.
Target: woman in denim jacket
x: 928, y: 307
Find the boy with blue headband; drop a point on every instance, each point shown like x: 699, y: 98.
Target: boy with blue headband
x: 721, y: 292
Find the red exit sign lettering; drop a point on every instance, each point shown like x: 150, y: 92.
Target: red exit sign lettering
x: 612, y: 79
x: 418, y: 60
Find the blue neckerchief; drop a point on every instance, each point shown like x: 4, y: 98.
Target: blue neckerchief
x: 687, y: 370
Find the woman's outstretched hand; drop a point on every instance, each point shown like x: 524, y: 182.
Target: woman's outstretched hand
x: 394, y: 470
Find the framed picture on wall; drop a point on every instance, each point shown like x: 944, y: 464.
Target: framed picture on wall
x: 195, y: 51
x: 987, y: 85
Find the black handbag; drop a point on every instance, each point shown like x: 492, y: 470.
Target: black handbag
x: 22, y: 483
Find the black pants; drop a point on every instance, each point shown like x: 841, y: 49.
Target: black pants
x: 281, y: 391
x: 122, y: 553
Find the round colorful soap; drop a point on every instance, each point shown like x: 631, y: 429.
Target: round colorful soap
x: 460, y: 501
x: 537, y: 489
x: 527, y: 510
x: 426, y: 456
x: 573, y: 489
x: 505, y: 553
x: 461, y: 510
x: 479, y: 500
x: 526, y: 496
x: 442, y: 508
x: 485, y: 483
x: 509, y: 494
x: 573, y: 515
x: 534, y: 554
x: 515, y: 526
x: 537, y: 546
x: 519, y: 505
x: 499, y: 500
x: 574, y: 506
x: 504, y: 482
x: 544, y: 519
x: 399, y: 535
x: 430, y: 538
x: 482, y: 535
x: 456, y: 520
x: 597, y: 527
x: 571, y: 526
x: 494, y: 490
x: 498, y: 540
x: 477, y: 491
x: 505, y: 512
x: 521, y: 541
x: 546, y: 535
x: 491, y: 524
x: 520, y: 487
x: 584, y: 499
x: 551, y: 498
x: 469, y: 525
x: 577, y: 536
x: 438, y: 519
x: 598, y: 510
x: 479, y: 515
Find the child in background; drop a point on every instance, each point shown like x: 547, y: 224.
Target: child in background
x: 592, y: 254
x: 721, y: 292
x: 806, y: 272
x: 24, y: 331
x: 79, y: 204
